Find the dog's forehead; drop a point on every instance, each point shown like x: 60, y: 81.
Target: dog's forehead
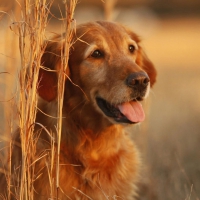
x: 103, y: 31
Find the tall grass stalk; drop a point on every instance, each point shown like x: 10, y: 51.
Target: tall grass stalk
x: 31, y: 37
x: 109, y: 6
x: 31, y: 31
x: 69, y: 25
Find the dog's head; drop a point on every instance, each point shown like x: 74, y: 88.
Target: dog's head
x: 107, y: 62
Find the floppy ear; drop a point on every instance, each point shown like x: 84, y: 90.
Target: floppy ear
x: 47, y: 85
x: 51, y: 61
x: 47, y: 80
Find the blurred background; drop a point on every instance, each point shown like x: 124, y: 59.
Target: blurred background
x: 169, y: 139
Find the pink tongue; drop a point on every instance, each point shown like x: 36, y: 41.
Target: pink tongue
x: 133, y: 111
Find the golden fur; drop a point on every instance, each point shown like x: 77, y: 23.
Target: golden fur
x: 98, y: 159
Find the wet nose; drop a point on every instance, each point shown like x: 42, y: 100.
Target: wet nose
x: 137, y: 79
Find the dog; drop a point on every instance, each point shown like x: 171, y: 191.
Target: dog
x: 107, y: 78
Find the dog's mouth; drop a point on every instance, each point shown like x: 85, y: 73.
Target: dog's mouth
x: 127, y: 112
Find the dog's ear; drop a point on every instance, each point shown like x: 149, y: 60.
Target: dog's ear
x: 47, y: 80
x: 50, y: 64
x: 47, y: 85
x: 147, y: 65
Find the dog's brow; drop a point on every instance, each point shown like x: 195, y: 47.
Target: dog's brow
x: 133, y: 43
x: 89, y: 49
x: 94, y: 46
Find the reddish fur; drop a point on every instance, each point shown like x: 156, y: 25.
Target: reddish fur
x: 99, y: 158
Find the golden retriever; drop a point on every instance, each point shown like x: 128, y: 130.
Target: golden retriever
x: 109, y: 75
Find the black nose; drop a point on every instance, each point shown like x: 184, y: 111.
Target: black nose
x: 137, y: 79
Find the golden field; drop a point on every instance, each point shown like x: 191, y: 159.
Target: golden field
x: 169, y: 138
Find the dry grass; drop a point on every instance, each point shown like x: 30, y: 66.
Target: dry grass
x: 69, y: 29
x: 30, y: 29
x: 109, y: 9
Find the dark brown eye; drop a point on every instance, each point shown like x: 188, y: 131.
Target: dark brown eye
x: 131, y: 48
x: 97, y: 54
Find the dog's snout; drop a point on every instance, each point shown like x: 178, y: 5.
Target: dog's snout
x: 139, y: 79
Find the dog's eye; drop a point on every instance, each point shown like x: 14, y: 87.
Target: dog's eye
x: 97, y: 54
x: 131, y: 48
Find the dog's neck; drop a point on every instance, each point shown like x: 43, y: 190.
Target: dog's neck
x: 86, y: 143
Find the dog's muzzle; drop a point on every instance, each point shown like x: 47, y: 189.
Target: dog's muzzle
x: 131, y: 111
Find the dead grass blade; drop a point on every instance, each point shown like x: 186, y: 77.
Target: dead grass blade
x: 69, y: 30
x: 31, y: 32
